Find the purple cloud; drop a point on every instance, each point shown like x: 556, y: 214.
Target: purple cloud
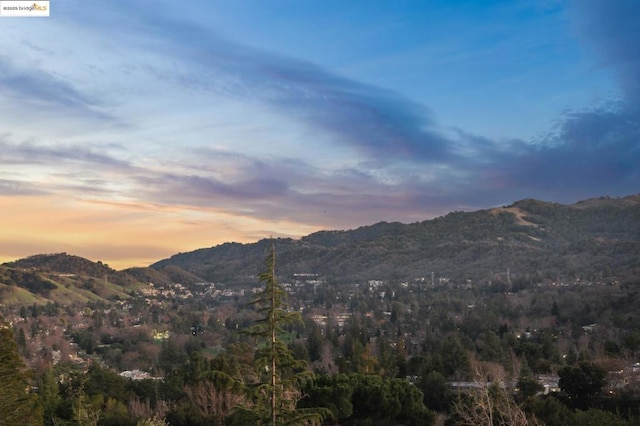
x: 39, y: 88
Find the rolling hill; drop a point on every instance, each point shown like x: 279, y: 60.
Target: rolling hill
x: 597, y: 238
x: 62, y: 278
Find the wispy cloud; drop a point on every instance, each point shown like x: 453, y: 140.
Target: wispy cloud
x: 378, y: 123
x: 592, y: 151
x: 588, y: 152
x: 38, y: 91
x: 16, y: 188
x: 33, y: 153
x: 612, y: 30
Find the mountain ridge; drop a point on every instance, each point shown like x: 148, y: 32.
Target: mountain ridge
x: 535, y: 240
x: 453, y: 244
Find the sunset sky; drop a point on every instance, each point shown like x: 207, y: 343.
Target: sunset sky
x: 134, y: 130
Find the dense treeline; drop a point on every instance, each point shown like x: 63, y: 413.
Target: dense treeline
x: 207, y: 391
x: 588, y: 240
x: 410, y: 342
x: 394, y: 360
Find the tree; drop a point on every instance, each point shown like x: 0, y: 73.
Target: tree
x: 455, y: 360
x: 50, y: 397
x: 362, y: 399
x: 489, y: 405
x: 333, y: 392
x: 527, y: 385
x: 275, y: 360
x: 315, y: 342
x: 595, y: 417
x: 17, y: 406
x: 549, y: 411
x: 631, y: 342
x: 84, y: 413
x: 438, y: 395
x: 154, y: 421
x: 582, y: 381
x: 213, y: 388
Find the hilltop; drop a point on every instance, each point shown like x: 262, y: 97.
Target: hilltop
x: 592, y: 238
x: 68, y: 279
x: 535, y: 240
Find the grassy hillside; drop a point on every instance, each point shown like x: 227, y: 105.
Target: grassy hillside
x: 64, y: 279
x: 12, y: 295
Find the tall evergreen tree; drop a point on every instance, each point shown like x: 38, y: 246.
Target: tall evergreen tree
x: 50, y: 397
x: 17, y: 405
x: 277, y: 396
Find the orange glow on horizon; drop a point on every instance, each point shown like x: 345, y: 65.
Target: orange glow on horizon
x: 121, y: 235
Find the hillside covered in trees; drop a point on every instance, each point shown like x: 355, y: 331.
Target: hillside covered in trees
x: 534, y: 239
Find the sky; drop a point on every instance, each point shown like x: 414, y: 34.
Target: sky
x: 134, y: 130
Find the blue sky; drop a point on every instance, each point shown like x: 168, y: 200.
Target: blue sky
x: 134, y: 130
